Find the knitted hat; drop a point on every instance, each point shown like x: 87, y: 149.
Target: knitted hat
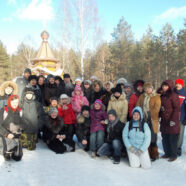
x: 87, y: 82
x: 63, y: 96
x: 27, y: 70
x: 98, y: 101
x: 112, y: 112
x: 28, y: 91
x: 179, y: 81
x: 85, y: 107
x: 52, y: 109
x: 148, y: 85
x: 32, y: 77
x: 78, y: 79
x: 77, y: 88
x: 66, y: 76
x: 128, y: 85
x: 93, y: 77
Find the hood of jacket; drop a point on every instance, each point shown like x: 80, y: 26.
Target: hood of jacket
x: 7, y: 84
x: 138, y: 109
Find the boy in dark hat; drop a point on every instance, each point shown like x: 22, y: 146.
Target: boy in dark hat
x: 113, y: 144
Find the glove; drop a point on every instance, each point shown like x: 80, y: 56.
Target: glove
x: 172, y: 123
x: 139, y: 152
x: 133, y: 150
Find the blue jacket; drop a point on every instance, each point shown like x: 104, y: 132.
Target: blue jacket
x: 136, y: 138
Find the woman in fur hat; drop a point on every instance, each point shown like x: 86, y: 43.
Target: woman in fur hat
x: 7, y: 89
x: 150, y: 103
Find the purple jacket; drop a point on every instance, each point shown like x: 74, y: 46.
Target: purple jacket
x: 96, y: 117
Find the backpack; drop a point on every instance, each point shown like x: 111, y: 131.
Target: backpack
x: 141, y: 125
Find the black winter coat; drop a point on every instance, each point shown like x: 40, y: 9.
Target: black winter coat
x: 115, y: 132
x: 83, y: 128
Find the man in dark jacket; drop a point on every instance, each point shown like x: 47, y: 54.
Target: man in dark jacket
x: 69, y: 87
x: 113, y: 144
x: 179, y: 89
x: 51, y: 89
x: 83, y: 128
x: 169, y: 124
x: 23, y: 81
x: 60, y: 85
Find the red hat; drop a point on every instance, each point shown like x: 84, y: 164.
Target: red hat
x: 179, y: 81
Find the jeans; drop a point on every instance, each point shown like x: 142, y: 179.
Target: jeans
x: 111, y: 149
x: 180, y: 138
x: 78, y: 143
x: 96, y: 140
x: 170, y: 142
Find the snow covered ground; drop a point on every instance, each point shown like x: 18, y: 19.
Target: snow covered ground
x: 45, y: 168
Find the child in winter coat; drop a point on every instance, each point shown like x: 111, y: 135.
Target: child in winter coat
x: 66, y: 112
x: 7, y: 89
x: 53, y: 104
x: 82, y: 135
x: 11, y: 125
x: 34, y: 114
x: 97, y: 128
x: 137, y: 137
x: 78, y: 100
x: 54, y: 132
x: 113, y: 145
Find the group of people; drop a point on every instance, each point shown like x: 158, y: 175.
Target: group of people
x: 107, y: 120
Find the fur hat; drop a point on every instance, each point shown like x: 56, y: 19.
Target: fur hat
x: 50, y: 76
x: 117, y: 89
x: 7, y: 84
x: 93, y: 77
x: 121, y: 81
x: 32, y: 77
x: 179, y: 81
x: 52, y: 109
x: 148, y: 85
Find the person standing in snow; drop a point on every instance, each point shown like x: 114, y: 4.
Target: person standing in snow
x: 137, y: 138
x: 66, y: 112
x: 7, y: 89
x: 69, y: 87
x: 41, y: 84
x: 113, y: 143
x: 169, y: 124
x: 22, y: 81
x: 179, y: 89
x: 119, y: 103
x: 11, y: 125
x: 34, y: 114
x: 78, y: 100
x: 138, y: 88
x: 106, y: 97
x: 97, y: 127
x: 150, y: 103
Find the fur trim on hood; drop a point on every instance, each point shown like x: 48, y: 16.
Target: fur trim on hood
x: 80, y: 119
x: 5, y: 85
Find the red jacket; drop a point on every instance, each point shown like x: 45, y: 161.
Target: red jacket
x: 68, y: 115
x: 132, y: 103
